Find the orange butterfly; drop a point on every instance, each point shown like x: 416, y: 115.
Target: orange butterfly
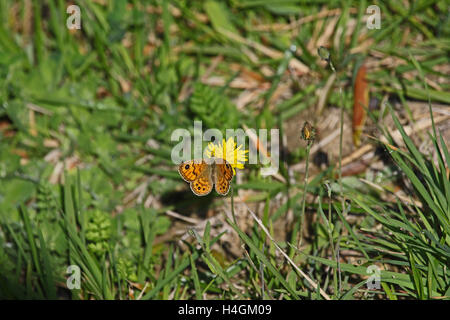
x: 202, y: 175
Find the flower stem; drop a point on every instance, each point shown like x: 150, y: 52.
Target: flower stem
x: 305, y: 187
x: 324, y: 54
x: 340, y: 151
x: 299, y: 226
x: 232, y: 204
x: 341, y: 134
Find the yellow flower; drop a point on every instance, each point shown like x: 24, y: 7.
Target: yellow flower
x: 228, y: 151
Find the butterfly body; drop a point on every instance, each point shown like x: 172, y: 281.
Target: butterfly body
x: 202, y: 175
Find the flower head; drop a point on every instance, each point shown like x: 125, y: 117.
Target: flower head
x: 308, y: 132
x: 228, y: 151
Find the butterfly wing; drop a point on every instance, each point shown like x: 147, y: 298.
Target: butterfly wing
x: 191, y: 169
x: 223, y: 174
x: 198, y: 174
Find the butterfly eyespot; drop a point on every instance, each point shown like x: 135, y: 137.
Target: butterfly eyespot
x: 198, y: 188
x: 186, y: 167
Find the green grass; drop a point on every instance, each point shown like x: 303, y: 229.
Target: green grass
x: 86, y: 175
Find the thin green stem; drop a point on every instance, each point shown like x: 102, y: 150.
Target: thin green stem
x: 299, y: 226
x: 305, y: 187
x: 232, y: 205
x: 341, y: 135
x: 333, y: 251
x: 325, y: 55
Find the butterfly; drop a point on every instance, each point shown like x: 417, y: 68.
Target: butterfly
x: 202, y: 175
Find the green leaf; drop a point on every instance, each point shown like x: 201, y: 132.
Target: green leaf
x: 219, y: 16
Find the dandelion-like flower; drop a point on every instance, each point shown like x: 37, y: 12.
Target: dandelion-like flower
x: 228, y: 151
x: 308, y: 132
